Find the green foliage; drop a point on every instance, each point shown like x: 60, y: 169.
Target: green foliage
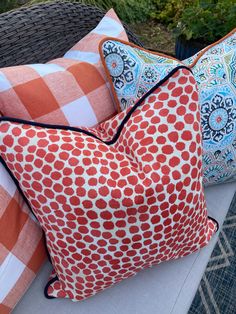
x: 168, y: 12
x: 205, y: 20
x: 7, y: 5
x: 133, y: 10
x: 208, y: 21
x: 128, y: 10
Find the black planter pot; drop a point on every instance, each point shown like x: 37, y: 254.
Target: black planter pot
x: 187, y: 48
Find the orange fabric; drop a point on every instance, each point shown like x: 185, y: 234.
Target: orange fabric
x: 11, y: 224
x: 87, y: 76
x: 38, y: 257
x: 32, y: 94
x: 117, y: 140
x: 21, y: 240
x: 4, y: 309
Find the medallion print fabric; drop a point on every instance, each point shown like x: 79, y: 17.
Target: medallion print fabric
x: 132, y: 70
x: 214, y: 69
x: 119, y: 198
x: 215, y: 72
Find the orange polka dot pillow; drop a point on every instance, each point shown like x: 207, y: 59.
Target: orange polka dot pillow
x: 118, y: 198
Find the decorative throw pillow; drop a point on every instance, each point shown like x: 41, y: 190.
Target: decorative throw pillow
x: 57, y: 92
x: 87, y: 49
x: 22, y: 250
x: 64, y: 91
x: 131, y: 70
x: 119, y: 198
x: 214, y: 69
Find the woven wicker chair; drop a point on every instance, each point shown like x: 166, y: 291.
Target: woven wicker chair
x: 39, y: 33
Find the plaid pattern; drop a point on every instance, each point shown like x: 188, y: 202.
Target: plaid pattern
x: 70, y: 91
x: 87, y: 48
x: 62, y: 92
x: 22, y: 249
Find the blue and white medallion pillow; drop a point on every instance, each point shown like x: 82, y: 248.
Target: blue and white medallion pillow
x: 214, y: 69
x: 133, y: 71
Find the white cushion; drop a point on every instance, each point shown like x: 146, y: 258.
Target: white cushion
x: 167, y: 289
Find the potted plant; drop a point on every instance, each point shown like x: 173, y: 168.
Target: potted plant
x: 195, y: 23
x: 202, y: 23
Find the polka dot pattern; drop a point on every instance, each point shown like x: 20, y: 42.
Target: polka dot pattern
x: 126, y: 200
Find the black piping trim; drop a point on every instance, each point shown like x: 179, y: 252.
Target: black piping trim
x: 47, y: 286
x: 126, y: 118
x: 215, y: 221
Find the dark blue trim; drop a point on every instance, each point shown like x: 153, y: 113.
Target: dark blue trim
x: 47, y: 286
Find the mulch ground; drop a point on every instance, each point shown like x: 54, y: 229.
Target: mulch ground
x: 155, y: 36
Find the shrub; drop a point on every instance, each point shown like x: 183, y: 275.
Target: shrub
x: 207, y: 20
x: 168, y: 12
x: 129, y: 11
x: 7, y: 5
